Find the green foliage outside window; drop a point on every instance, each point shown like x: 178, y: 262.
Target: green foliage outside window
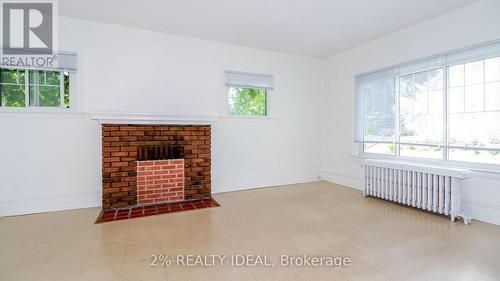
x: 44, y: 88
x: 247, y: 101
x: 12, y: 88
x: 66, y: 90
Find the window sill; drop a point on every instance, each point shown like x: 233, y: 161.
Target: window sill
x: 469, y: 169
x: 39, y: 111
x: 247, y: 118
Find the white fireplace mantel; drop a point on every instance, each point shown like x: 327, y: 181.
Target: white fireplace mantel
x: 151, y: 118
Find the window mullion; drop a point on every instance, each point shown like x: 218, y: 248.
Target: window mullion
x: 397, y: 117
x: 445, y: 112
x: 36, y: 88
x: 61, y: 89
x: 1, y: 86
x: 361, y: 117
x: 484, y: 85
x: 26, y: 88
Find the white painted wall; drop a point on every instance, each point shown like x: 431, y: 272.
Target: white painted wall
x: 473, y: 24
x: 52, y: 161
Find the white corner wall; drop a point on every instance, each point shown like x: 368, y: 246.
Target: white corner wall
x: 473, y: 24
x: 52, y: 162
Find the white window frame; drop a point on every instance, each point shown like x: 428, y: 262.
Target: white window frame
x: 266, y: 84
x: 443, y: 61
x: 73, y: 100
x: 227, y: 114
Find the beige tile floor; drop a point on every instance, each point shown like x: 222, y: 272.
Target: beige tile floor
x: 384, y: 241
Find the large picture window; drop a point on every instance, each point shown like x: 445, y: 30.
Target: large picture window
x: 445, y: 107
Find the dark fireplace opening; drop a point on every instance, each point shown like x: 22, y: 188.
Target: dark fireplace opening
x: 160, y: 152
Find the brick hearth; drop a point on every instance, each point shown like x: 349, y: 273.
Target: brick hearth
x: 120, y: 145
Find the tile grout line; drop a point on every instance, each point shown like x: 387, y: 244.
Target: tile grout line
x: 87, y: 257
x: 122, y: 275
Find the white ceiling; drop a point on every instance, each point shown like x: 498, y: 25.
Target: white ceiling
x: 318, y: 28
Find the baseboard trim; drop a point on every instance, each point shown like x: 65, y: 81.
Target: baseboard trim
x: 60, y: 202
x: 244, y: 184
x: 344, y: 180
x: 482, y: 211
x: 486, y: 212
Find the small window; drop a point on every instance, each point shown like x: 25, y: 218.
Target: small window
x: 248, y: 94
x: 247, y: 101
x: 34, y: 88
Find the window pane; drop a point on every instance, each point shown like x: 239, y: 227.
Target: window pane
x: 456, y: 76
x: 474, y: 129
x: 378, y: 110
x: 487, y: 157
x: 12, y: 76
x: 474, y: 72
x: 52, y: 78
x: 34, y: 77
x: 406, y: 84
x: 66, y: 90
x: 12, y: 95
x: 44, y: 88
x: 474, y: 98
x: 436, y: 102
x: 436, y: 79
x: 379, y: 148
x: 492, y: 93
x: 420, y: 81
x: 421, y: 112
x: 247, y: 101
x: 12, y: 88
x: 45, y: 96
x: 456, y: 100
x: 39, y: 77
x: 421, y: 151
x: 492, y: 69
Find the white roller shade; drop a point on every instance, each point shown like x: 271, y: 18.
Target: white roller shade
x: 426, y: 64
x: 415, y: 66
x: 377, y: 75
x: 249, y: 80
x: 67, y: 61
x: 479, y: 52
x: 64, y: 61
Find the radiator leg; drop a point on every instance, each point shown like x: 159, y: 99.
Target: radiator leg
x: 467, y: 219
x: 365, y: 176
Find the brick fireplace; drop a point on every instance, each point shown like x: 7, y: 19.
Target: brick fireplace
x: 145, y: 164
